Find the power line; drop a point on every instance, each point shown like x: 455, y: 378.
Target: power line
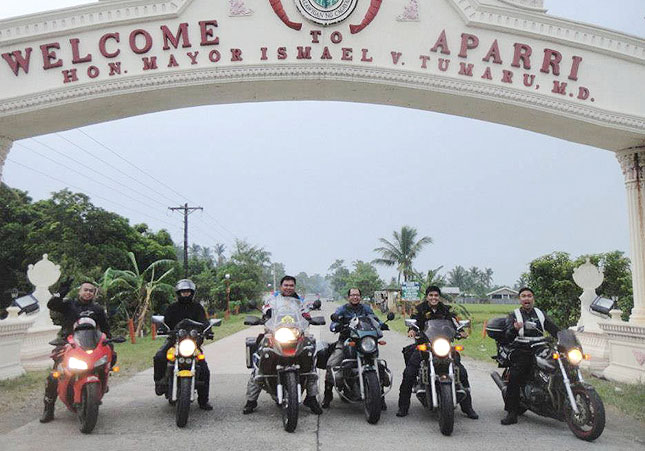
x: 187, y: 210
x: 65, y: 183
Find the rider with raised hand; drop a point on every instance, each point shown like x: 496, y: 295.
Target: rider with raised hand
x: 71, y: 310
x: 526, y: 324
x: 287, y: 290
x: 184, y: 308
x: 431, y: 309
x: 344, y: 313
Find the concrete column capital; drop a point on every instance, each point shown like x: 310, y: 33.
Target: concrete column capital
x: 5, y: 146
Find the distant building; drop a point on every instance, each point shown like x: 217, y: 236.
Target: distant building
x: 504, y: 295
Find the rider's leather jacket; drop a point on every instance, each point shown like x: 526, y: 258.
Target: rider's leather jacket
x: 425, y: 312
x: 73, y: 309
x: 177, y: 311
x: 529, y: 333
x: 348, y: 311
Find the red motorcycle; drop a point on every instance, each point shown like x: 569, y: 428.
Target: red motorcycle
x: 86, y: 362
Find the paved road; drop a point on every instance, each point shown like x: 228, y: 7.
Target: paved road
x: 132, y: 417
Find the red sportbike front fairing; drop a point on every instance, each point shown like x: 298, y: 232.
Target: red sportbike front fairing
x: 86, y: 363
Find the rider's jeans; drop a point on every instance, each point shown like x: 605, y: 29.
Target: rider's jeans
x: 335, y: 359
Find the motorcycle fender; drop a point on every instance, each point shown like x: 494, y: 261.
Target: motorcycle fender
x: 80, y: 383
x: 185, y: 373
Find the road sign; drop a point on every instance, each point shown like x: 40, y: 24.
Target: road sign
x: 410, y: 291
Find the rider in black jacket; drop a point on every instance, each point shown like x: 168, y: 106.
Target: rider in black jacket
x: 521, y: 356
x: 71, y: 310
x: 431, y: 309
x: 184, y: 308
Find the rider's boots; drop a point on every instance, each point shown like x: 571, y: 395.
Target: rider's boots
x: 467, y: 407
x: 312, y: 403
x: 510, y: 418
x: 329, y: 395
x: 51, y: 387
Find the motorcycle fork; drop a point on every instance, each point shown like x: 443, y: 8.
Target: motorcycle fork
x: 174, y: 377
x: 192, y: 384
x: 567, y: 385
x: 433, y: 387
x: 360, y: 376
x: 451, y: 373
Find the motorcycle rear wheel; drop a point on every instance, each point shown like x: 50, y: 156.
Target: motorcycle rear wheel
x: 88, y: 412
x: 290, y: 402
x: 446, y: 409
x: 372, y: 401
x: 589, y: 424
x: 183, y: 401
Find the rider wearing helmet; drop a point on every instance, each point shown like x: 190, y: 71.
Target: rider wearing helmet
x: 184, y: 308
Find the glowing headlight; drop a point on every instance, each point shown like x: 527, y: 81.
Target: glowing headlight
x: 285, y: 335
x: 441, y: 347
x: 187, y: 348
x: 574, y: 356
x: 77, y: 364
x: 368, y: 344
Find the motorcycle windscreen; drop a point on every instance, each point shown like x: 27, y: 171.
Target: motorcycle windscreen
x: 366, y: 323
x: 87, y: 339
x: 439, y: 328
x: 286, y: 311
x: 189, y: 324
x: 567, y: 339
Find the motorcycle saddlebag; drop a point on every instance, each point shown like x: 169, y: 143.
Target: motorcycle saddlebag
x: 496, y: 329
x: 251, y: 348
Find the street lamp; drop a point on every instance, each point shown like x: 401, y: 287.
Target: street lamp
x: 269, y: 288
x: 227, y: 280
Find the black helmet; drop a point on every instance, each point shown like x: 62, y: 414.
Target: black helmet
x: 185, y: 285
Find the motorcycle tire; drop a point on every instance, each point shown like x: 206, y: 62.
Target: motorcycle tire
x: 589, y: 424
x: 290, y: 401
x: 183, y: 401
x: 446, y: 409
x: 88, y: 412
x: 372, y: 400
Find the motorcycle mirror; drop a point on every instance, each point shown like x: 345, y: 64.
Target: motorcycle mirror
x: 317, y: 321
x: 317, y: 304
x: 252, y: 321
x: 118, y: 340
x: 390, y: 316
x: 464, y: 324
x: 411, y: 323
x: 157, y: 319
x: 334, y: 317
x: 215, y: 322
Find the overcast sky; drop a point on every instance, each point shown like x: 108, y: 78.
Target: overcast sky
x: 493, y: 197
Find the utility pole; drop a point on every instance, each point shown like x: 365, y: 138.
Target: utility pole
x: 187, y: 210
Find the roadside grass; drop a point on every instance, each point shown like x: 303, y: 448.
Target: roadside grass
x: 628, y: 398
x: 132, y: 358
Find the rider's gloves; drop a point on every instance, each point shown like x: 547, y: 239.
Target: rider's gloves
x: 64, y: 287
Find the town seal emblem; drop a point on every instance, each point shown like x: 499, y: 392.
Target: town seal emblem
x: 326, y: 12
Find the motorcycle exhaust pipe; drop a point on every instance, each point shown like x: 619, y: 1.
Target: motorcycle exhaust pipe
x: 498, y: 380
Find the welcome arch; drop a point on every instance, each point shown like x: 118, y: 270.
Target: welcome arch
x: 503, y: 61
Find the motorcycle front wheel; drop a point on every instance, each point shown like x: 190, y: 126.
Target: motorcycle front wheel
x: 290, y: 401
x: 372, y: 401
x: 589, y: 423
x: 183, y: 401
x: 88, y: 412
x: 446, y: 409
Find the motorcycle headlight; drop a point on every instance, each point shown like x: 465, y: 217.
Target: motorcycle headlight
x: 285, y: 335
x: 187, y: 348
x: 575, y: 357
x: 441, y: 347
x: 77, y: 364
x: 368, y: 345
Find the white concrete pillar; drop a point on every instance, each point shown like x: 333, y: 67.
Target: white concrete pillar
x: 5, y: 146
x: 632, y: 162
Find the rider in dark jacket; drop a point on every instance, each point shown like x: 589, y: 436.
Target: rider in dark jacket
x: 521, y: 356
x: 71, y: 310
x: 184, y: 308
x: 428, y: 310
x: 342, y: 315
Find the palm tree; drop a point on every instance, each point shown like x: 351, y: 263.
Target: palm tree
x: 458, y: 277
x: 219, y: 251
x: 402, y: 251
x: 141, y: 286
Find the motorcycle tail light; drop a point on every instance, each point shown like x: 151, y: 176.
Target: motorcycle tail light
x: 459, y: 348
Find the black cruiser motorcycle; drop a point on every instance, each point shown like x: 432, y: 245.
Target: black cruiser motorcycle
x: 182, y: 358
x: 438, y: 387
x: 556, y: 388
x: 362, y: 376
